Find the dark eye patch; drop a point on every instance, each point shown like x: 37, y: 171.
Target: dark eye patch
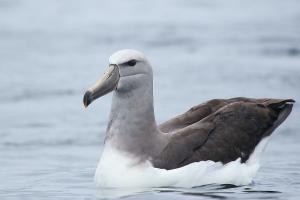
x: 131, y: 63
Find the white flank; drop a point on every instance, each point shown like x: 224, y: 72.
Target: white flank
x: 117, y: 170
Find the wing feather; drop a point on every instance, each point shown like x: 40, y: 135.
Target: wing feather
x: 220, y: 130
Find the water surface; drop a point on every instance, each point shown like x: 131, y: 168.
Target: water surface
x: 51, y: 51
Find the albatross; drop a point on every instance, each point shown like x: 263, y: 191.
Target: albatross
x: 219, y: 141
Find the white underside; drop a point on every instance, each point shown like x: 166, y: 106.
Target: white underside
x: 116, y: 170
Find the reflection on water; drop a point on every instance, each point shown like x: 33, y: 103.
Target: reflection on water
x: 51, y: 51
x: 207, y: 191
x: 113, y: 193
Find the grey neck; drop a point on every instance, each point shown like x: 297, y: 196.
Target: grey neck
x: 132, y: 126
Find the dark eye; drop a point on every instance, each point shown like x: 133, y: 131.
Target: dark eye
x: 131, y: 62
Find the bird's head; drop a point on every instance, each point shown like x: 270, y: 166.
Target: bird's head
x: 128, y: 69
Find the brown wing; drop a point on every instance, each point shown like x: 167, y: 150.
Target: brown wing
x: 220, y: 130
x: 201, y: 111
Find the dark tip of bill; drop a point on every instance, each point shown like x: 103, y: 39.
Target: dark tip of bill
x: 87, y: 98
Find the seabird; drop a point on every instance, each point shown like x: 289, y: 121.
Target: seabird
x: 217, y: 133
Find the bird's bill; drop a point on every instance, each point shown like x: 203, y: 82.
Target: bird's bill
x: 107, y: 83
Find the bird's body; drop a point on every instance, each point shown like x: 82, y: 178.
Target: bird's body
x: 197, y: 146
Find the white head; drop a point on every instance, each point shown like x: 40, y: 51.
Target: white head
x: 130, y: 62
x: 128, y: 70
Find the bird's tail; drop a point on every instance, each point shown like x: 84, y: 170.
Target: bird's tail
x: 283, y: 107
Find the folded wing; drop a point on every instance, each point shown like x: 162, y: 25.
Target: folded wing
x: 220, y: 130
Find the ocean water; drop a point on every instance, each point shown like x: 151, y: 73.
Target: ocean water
x: 51, y: 51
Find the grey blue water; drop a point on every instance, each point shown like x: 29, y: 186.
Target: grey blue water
x: 51, y: 51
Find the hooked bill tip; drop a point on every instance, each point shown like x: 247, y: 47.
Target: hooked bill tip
x: 87, y: 99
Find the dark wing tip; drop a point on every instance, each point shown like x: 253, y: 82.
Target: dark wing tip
x: 279, y: 104
x: 290, y: 101
x: 284, y: 113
